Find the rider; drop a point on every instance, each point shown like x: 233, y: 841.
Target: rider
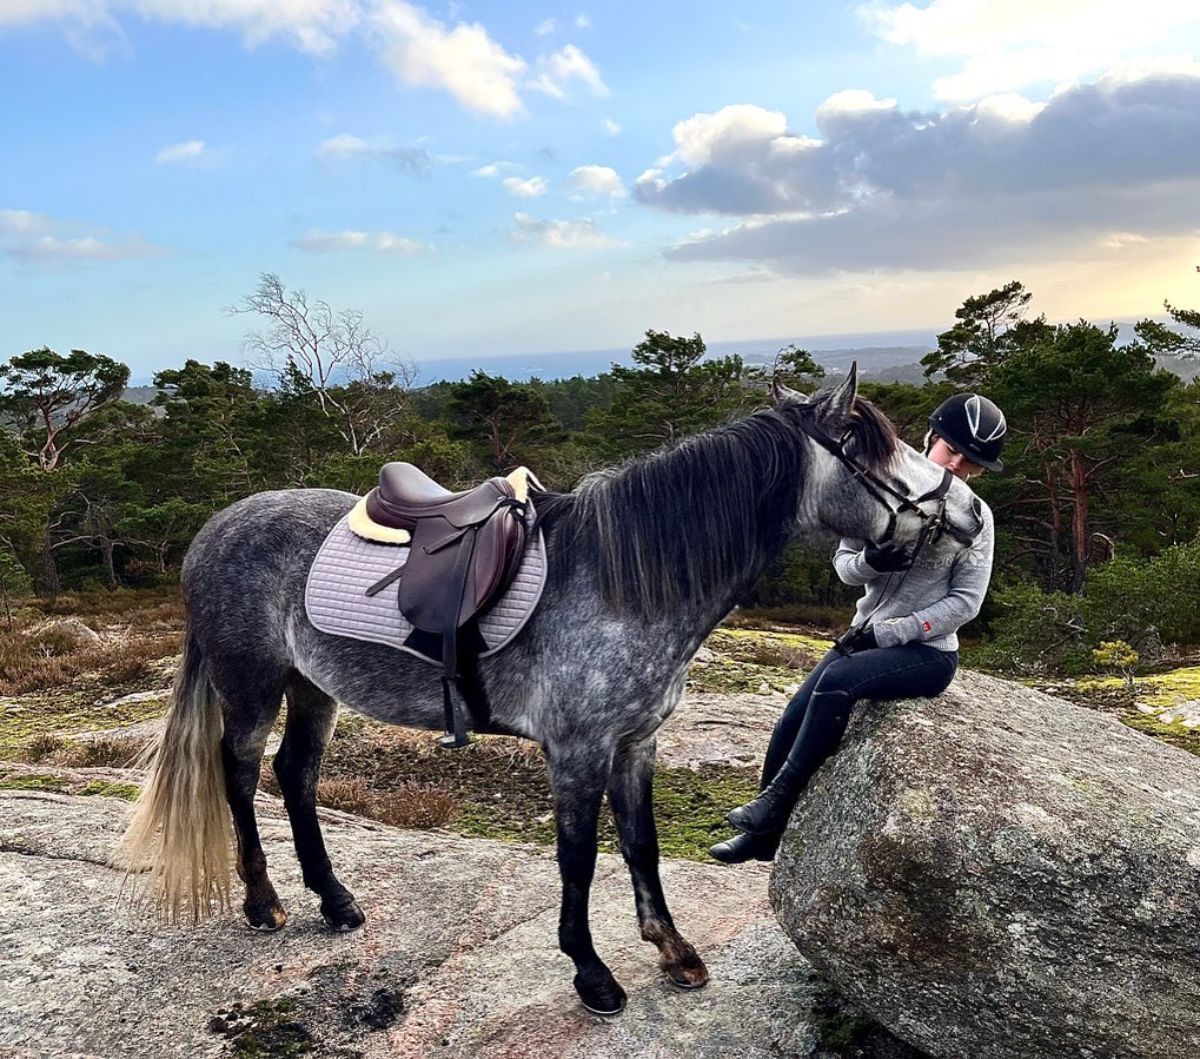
x: 903, y: 641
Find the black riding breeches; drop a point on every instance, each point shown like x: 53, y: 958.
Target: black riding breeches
x: 814, y: 721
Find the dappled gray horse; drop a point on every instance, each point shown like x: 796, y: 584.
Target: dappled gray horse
x: 645, y: 559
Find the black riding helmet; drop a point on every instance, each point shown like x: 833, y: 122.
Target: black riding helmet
x: 974, y: 426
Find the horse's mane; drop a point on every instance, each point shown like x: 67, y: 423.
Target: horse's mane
x: 669, y: 528
x: 873, y: 437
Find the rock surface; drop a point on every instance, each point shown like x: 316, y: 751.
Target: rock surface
x: 458, y: 957
x: 73, y: 629
x: 999, y: 873
x: 719, y: 729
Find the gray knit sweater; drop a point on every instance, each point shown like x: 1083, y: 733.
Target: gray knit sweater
x: 936, y: 596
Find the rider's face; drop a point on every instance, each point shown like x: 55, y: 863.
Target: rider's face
x: 946, y: 455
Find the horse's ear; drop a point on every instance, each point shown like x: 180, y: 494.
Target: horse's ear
x: 836, y: 410
x: 784, y: 394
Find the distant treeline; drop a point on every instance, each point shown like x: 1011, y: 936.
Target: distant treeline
x: 1103, y: 458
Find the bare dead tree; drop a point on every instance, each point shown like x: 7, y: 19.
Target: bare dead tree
x: 356, y: 380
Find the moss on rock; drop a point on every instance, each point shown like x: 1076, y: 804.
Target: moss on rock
x: 65, y: 713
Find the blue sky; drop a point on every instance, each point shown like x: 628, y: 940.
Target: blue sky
x: 496, y: 178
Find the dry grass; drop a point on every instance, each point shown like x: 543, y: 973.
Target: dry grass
x: 67, y: 753
x: 413, y: 805
x: 800, y: 616
x: 141, y: 608
x: 43, y: 660
x: 44, y: 651
x: 779, y: 655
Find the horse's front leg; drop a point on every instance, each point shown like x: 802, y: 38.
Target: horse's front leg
x: 630, y: 792
x: 578, y: 776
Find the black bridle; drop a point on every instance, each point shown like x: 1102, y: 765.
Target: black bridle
x: 934, y: 523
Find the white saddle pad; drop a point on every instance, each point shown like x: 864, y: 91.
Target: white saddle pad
x: 346, y: 566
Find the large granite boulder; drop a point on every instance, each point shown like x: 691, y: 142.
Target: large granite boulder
x: 999, y: 873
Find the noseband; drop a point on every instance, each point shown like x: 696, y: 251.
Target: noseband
x: 933, y: 524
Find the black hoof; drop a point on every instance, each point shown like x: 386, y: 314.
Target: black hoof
x: 343, y: 918
x: 600, y: 993
x: 267, y: 916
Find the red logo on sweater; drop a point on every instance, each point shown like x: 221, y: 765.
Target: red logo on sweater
x: 926, y: 626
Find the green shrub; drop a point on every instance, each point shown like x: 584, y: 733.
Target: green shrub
x: 1033, y: 632
x: 1116, y: 655
x: 1137, y: 603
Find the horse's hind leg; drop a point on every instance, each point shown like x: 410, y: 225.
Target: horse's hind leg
x: 630, y: 792
x: 251, y: 703
x: 311, y: 716
x: 578, y: 776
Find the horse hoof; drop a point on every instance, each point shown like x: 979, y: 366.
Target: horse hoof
x: 600, y: 993
x: 686, y: 981
x: 688, y: 972
x: 265, y: 918
x: 344, y: 918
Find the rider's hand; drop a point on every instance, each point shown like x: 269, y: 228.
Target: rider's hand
x: 886, y: 558
x: 861, y: 639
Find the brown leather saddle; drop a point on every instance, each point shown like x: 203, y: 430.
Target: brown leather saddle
x: 464, y: 549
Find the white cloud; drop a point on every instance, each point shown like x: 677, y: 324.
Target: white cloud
x: 342, y: 147
x: 1010, y: 44
x: 851, y: 101
x: 187, y: 151
x: 611, y: 127
x: 313, y: 26
x: 701, y: 136
x: 461, y: 58
x: 493, y: 169
x: 1117, y: 240
x: 388, y: 243
x: 583, y: 21
x: 46, y: 242
x: 348, y: 148
x: 464, y: 61
x: 554, y: 73
x: 741, y: 159
x: 318, y: 242
x: 1008, y: 107
x: 1106, y: 164
x: 594, y: 182
x: 531, y: 188
x: 558, y: 235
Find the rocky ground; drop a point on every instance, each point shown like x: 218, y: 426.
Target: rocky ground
x: 459, y: 955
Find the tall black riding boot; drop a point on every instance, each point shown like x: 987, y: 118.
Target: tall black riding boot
x: 743, y: 847
x: 768, y: 813
x: 824, y: 722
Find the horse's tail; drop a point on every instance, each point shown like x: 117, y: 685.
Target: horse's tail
x: 179, y: 836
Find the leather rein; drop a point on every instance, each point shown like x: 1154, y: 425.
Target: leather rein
x: 934, y: 523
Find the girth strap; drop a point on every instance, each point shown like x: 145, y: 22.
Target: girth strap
x: 455, y: 719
